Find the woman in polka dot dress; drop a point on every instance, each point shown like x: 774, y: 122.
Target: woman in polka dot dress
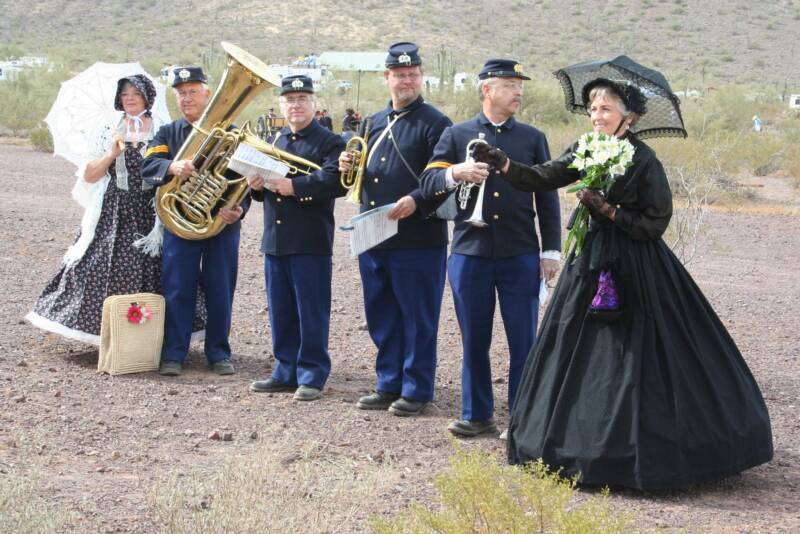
x: 117, y: 250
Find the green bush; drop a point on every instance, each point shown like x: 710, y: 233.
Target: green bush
x: 27, y: 99
x: 41, y: 139
x: 479, y: 495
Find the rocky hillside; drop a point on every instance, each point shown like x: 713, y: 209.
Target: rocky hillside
x: 695, y: 42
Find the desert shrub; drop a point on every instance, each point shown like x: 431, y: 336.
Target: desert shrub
x: 479, y: 495
x: 27, y: 99
x: 41, y: 139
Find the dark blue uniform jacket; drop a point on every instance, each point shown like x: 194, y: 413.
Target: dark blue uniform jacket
x: 387, y: 178
x: 162, y: 151
x: 303, y: 224
x: 509, y: 212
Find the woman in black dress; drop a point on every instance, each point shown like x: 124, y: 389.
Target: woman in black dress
x: 117, y: 249
x: 653, y: 394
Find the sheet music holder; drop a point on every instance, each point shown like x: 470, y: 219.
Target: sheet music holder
x: 370, y: 228
x: 249, y: 162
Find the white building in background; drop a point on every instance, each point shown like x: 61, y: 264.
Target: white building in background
x: 168, y: 74
x: 11, y: 67
x: 689, y: 93
x: 319, y: 75
x: 794, y: 101
x: 353, y: 61
x: 8, y: 71
x: 431, y: 82
x: 460, y: 80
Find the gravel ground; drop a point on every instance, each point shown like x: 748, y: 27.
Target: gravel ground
x: 102, y: 442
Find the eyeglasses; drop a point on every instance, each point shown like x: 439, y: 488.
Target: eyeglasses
x: 129, y: 94
x: 191, y: 93
x: 298, y: 100
x: 408, y: 76
x: 512, y: 84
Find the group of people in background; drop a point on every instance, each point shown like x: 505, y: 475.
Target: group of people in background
x: 324, y: 119
x: 658, y: 398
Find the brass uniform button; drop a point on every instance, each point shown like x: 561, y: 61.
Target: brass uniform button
x: 278, y: 221
x: 496, y: 216
x: 496, y: 194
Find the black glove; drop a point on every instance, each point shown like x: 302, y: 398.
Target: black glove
x: 596, y: 203
x: 484, y: 153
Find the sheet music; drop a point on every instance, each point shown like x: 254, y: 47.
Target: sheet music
x: 543, y: 293
x: 370, y: 228
x: 249, y: 162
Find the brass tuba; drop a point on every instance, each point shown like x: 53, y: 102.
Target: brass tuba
x: 189, y: 208
x: 353, y: 179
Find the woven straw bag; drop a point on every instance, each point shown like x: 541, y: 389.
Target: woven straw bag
x: 131, y: 347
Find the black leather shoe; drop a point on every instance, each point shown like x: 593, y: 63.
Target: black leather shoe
x: 380, y: 400
x: 407, y: 407
x: 270, y: 385
x: 223, y: 367
x: 468, y: 429
x: 170, y: 368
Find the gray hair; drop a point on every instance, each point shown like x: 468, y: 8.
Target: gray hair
x: 485, y: 81
x: 608, y: 93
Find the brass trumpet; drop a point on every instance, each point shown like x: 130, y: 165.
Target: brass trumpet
x: 353, y: 179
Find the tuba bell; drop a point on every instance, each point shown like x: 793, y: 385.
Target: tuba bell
x: 465, y: 189
x: 190, y: 208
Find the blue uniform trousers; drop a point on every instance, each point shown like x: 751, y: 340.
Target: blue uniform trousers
x: 299, y: 295
x: 474, y: 281
x: 403, y: 291
x: 212, y: 262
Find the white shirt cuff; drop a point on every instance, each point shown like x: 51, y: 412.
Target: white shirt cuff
x: 449, y: 182
x: 550, y: 255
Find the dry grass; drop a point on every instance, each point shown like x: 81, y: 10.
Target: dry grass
x: 23, y: 508
x: 315, y: 489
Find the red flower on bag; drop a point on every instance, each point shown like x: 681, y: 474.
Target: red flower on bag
x: 134, y: 314
x: 139, y: 314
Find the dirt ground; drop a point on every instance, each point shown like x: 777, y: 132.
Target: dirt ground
x: 102, y: 442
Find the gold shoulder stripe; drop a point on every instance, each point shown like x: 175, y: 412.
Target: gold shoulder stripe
x: 158, y: 149
x: 438, y: 165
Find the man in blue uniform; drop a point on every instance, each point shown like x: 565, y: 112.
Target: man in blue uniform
x: 298, y: 245
x: 212, y: 262
x: 403, y: 277
x: 503, y: 255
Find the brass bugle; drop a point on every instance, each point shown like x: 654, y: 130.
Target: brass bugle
x: 353, y: 179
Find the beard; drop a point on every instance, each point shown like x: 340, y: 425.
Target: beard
x: 406, y: 95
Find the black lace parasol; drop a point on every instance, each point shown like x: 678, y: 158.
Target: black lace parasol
x: 663, y: 117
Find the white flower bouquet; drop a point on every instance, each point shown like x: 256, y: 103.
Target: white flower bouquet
x: 600, y: 158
